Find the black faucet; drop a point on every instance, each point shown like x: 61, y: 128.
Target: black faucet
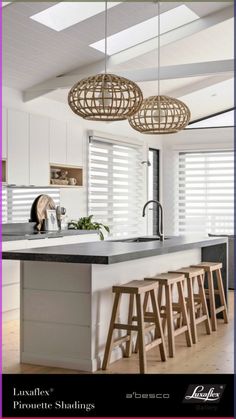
x: 160, y: 222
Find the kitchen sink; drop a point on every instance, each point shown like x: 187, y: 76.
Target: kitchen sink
x: 139, y: 240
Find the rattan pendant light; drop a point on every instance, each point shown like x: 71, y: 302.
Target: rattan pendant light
x: 160, y: 114
x: 105, y: 97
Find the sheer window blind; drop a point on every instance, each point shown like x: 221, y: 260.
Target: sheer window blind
x: 17, y: 202
x: 206, y: 192
x: 4, y: 205
x: 115, y: 185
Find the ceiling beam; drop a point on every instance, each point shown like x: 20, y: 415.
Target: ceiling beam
x: 208, y: 68
x: 131, y: 53
x: 181, y: 71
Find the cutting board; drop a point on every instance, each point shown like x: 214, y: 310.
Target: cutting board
x: 39, y: 209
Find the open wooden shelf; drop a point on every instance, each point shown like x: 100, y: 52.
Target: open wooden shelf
x: 62, y: 175
x: 4, y: 171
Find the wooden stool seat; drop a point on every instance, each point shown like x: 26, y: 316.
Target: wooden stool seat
x: 172, y: 311
x: 137, y: 291
x: 135, y: 287
x: 196, y: 302
x: 190, y: 271
x: 211, y: 268
x: 167, y: 278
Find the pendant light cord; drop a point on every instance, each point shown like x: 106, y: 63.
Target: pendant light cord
x: 159, y: 45
x: 105, y: 37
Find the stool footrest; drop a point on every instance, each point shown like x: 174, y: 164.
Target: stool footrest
x: 175, y: 315
x: 201, y: 319
x: 153, y: 344
x: 219, y: 309
x: 207, y: 292
x: 118, y: 342
x: 122, y: 326
x: 180, y: 330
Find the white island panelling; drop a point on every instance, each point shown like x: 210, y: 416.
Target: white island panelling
x: 11, y: 281
x: 11, y: 272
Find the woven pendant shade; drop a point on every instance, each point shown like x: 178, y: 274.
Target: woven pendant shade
x: 160, y: 115
x: 105, y: 97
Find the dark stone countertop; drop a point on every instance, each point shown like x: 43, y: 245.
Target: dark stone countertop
x: 14, y: 236
x: 108, y: 252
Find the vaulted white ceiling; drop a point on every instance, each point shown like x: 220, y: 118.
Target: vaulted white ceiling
x: 34, y: 55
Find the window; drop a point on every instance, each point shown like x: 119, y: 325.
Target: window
x: 154, y: 186
x: 116, y: 185
x: 206, y: 192
x: 17, y: 202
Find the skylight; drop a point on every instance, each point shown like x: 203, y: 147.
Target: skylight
x: 65, y: 14
x: 141, y: 32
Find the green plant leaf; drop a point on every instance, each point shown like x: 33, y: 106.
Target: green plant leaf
x: 101, y: 235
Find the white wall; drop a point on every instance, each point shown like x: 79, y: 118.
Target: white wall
x: 188, y: 140
x: 75, y: 200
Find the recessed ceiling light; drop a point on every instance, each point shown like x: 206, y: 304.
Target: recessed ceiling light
x: 141, y: 32
x: 65, y: 14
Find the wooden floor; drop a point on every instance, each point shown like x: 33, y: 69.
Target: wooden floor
x: 212, y: 354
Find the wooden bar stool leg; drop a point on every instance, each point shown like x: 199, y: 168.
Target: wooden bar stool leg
x: 212, y: 301
x: 145, y: 303
x: 170, y: 323
x: 205, y: 310
x: 222, y: 295
x: 159, y: 331
x: 204, y: 303
x: 110, y: 338
x: 159, y: 299
x: 141, y: 335
x: 184, y: 314
x: 192, y: 310
x: 128, y: 349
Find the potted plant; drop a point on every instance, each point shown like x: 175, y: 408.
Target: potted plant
x: 86, y: 223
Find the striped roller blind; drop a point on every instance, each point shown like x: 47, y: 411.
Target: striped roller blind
x: 115, y: 185
x: 4, y: 204
x: 17, y: 202
x: 206, y: 192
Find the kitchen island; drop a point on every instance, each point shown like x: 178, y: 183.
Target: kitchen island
x: 66, y: 292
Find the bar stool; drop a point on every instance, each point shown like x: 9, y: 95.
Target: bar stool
x: 211, y: 291
x: 137, y: 289
x: 196, y: 302
x: 171, y: 311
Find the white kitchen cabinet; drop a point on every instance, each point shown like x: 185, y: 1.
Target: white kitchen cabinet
x: 4, y: 133
x: 58, y: 141
x: 18, y: 147
x: 75, y: 145
x: 39, y: 150
x: 11, y: 281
